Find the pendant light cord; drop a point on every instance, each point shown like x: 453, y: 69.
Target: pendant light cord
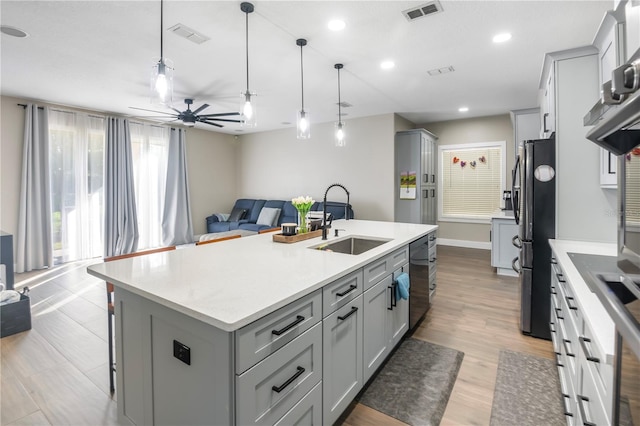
x: 339, y: 101
x: 302, y: 77
x: 247, y: 45
x: 161, y: 25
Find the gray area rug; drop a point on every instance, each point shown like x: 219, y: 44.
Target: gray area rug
x: 415, y: 383
x: 527, y: 392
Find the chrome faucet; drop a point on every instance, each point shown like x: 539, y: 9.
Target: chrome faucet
x: 324, y: 209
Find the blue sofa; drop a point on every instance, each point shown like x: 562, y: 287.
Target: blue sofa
x: 251, y: 209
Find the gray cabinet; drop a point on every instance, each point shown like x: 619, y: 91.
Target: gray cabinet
x: 386, y: 321
x: 526, y: 125
x: 416, y: 154
x: 342, y: 341
x: 609, y: 41
x: 503, y: 251
x: 377, y: 327
x: 586, y: 379
x: 307, y: 412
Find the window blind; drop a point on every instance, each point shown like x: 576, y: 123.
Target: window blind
x: 472, y: 181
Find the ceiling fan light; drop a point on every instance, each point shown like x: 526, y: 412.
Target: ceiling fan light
x: 304, y: 125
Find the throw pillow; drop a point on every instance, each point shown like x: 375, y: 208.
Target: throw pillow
x: 237, y: 214
x: 268, y: 216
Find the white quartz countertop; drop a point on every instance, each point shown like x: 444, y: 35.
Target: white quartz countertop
x: 232, y: 283
x: 599, y: 320
x: 503, y: 214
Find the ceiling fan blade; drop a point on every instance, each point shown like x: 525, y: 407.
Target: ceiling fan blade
x: 220, y: 114
x: 202, y: 107
x: 150, y: 110
x: 213, y: 124
x: 223, y: 119
x: 176, y: 110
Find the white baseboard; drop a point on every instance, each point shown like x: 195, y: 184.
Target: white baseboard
x: 464, y: 243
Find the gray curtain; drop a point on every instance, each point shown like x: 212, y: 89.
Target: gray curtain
x: 34, y: 242
x: 177, y: 227
x: 121, y: 222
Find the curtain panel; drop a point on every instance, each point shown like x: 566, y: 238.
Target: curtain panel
x: 177, y: 227
x: 121, y: 226
x: 34, y: 249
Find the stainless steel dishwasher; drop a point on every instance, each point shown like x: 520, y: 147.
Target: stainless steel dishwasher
x: 420, y: 269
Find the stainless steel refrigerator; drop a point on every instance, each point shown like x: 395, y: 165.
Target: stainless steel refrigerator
x: 534, y: 203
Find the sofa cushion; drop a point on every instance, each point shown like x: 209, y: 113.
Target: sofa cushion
x: 268, y: 216
x: 237, y: 214
x: 289, y: 214
x: 218, y: 227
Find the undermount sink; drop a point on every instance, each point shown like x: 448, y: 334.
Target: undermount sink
x: 351, y: 245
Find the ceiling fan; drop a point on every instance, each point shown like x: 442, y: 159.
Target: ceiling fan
x: 190, y: 118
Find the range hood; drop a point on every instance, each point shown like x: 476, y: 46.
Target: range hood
x: 618, y: 114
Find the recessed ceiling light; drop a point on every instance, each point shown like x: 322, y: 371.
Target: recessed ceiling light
x: 336, y: 25
x: 501, y: 38
x: 387, y: 65
x: 463, y: 109
x: 12, y: 31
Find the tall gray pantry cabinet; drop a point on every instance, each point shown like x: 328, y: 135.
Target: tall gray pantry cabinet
x: 415, y: 177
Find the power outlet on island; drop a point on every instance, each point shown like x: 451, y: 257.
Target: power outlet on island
x: 182, y: 352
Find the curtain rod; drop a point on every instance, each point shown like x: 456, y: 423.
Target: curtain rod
x: 104, y: 116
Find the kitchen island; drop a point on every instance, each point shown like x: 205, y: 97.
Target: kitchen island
x: 250, y: 331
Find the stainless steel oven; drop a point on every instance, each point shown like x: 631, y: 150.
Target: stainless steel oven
x: 617, y: 129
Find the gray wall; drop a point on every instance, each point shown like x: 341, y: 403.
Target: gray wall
x: 473, y: 130
x: 276, y: 165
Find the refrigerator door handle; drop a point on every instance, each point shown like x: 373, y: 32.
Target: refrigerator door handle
x: 513, y: 265
x: 517, y: 242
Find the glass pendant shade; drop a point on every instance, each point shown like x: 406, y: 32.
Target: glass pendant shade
x: 304, y: 126
x: 248, y: 110
x: 162, y: 82
x: 340, y: 134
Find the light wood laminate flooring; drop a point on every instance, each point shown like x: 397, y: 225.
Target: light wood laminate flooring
x: 57, y: 372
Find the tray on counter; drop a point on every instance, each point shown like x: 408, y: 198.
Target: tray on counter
x: 279, y: 238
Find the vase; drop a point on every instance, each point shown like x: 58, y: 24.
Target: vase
x: 302, y: 220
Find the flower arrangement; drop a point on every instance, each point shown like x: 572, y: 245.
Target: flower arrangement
x: 303, y: 205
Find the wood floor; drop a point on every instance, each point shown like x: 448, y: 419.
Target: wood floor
x: 57, y: 372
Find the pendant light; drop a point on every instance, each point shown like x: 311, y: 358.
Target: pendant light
x: 339, y: 126
x: 162, y: 72
x: 304, y: 128
x: 248, y: 108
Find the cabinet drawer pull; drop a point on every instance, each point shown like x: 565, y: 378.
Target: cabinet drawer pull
x: 433, y: 178
x: 351, y: 312
x: 544, y: 122
x: 558, y: 313
x: 567, y: 349
x: 289, y: 381
x: 565, y: 399
x: 432, y: 260
x: 425, y: 193
x: 344, y: 293
x: 587, y: 352
x: 394, y: 297
x: 390, y: 307
x: 286, y: 328
x: 553, y: 290
x: 552, y: 327
x: 581, y: 400
x: 433, y: 193
x: 560, y: 277
x: 569, y: 300
x: 426, y: 178
x: 554, y: 261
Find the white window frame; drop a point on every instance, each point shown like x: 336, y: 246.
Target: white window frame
x: 484, y: 219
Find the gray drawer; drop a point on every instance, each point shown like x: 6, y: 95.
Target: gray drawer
x: 341, y: 291
x: 589, y: 403
x: 307, y: 412
x: 594, y: 360
x: 378, y: 269
x: 263, y: 337
x: 295, y: 369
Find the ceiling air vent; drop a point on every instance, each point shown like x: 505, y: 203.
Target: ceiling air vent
x: 344, y: 104
x: 186, y: 32
x: 423, y: 10
x: 440, y: 71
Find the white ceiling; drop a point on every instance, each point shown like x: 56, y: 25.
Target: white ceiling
x: 98, y: 55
